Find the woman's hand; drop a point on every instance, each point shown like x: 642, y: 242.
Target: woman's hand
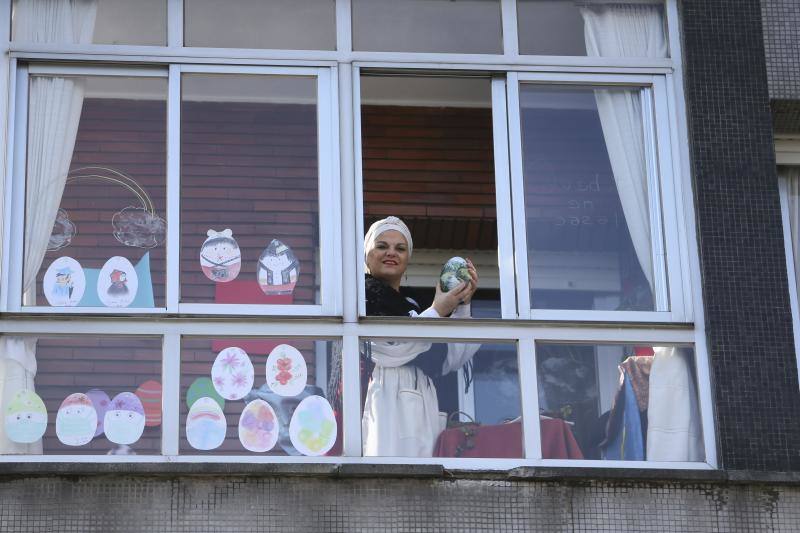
x: 473, y: 285
x: 445, y: 302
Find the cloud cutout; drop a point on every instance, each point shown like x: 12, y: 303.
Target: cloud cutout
x: 135, y: 226
x: 63, y: 232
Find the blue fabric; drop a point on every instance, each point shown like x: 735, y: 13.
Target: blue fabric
x: 144, y: 294
x: 628, y: 444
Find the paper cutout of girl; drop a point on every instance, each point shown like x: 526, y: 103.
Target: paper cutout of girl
x: 220, y: 257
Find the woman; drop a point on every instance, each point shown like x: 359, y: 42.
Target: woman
x: 401, y: 410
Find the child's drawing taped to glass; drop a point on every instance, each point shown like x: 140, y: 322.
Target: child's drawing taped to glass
x: 220, y: 257
x: 64, y: 282
x: 25, y: 417
x: 76, y: 420
x: 117, y: 283
x: 124, y: 419
x: 313, y: 426
x: 287, y: 371
x: 205, y: 424
x: 232, y: 373
x: 258, y: 427
x: 278, y: 269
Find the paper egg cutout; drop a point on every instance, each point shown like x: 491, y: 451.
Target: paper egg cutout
x: 64, y: 282
x: 76, y: 420
x: 149, y: 393
x: 25, y: 418
x: 258, y: 427
x: 278, y: 269
x: 287, y: 371
x: 232, y: 373
x: 117, y: 283
x: 205, y: 425
x: 203, y: 388
x: 313, y: 426
x: 124, y: 420
x: 220, y: 257
x: 100, y: 402
x: 454, y: 272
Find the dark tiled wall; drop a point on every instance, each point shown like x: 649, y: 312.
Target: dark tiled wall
x: 742, y: 258
x: 782, y: 47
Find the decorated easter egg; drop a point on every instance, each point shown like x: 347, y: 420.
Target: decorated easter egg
x: 454, y: 272
x: 220, y: 257
x: 287, y: 371
x: 312, y: 429
x: 258, y: 427
x: 232, y: 373
x: 76, y: 420
x: 64, y: 282
x: 200, y: 388
x: 25, y: 417
x: 100, y: 402
x: 149, y: 393
x: 124, y: 420
x: 278, y: 269
x: 205, y: 424
x: 117, y: 283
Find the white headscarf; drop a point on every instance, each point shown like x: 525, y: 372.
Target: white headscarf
x: 381, y: 226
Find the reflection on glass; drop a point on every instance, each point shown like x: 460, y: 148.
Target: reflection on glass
x: 81, y: 395
x: 591, y: 27
x: 260, y: 395
x: 619, y: 402
x: 466, y: 26
x: 143, y: 22
x: 586, y: 199
x: 792, y: 175
x: 286, y: 24
x: 440, y: 399
x: 95, y: 184
x: 249, y: 190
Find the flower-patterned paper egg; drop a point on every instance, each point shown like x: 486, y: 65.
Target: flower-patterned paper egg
x: 220, y: 256
x: 278, y: 269
x: 25, y: 418
x: 64, y: 282
x: 454, y: 271
x: 232, y: 373
x: 117, y: 283
x: 258, y: 427
x: 205, y: 425
x: 76, y: 420
x: 313, y: 426
x: 100, y: 402
x: 149, y: 393
x: 124, y: 420
x: 287, y: 371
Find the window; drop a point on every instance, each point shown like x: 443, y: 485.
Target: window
x: 790, y: 208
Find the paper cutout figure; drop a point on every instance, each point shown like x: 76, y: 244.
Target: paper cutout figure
x: 63, y: 231
x: 124, y: 420
x: 287, y: 371
x: 258, y: 427
x: 64, y: 282
x: 76, y: 420
x: 25, y: 418
x: 117, y: 283
x: 220, y: 257
x: 313, y: 426
x: 454, y: 271
x: 232, y: 373
x: 149, y: 393
x: 205, y: 425
x: 100, y: 402
x: 278, y: 269
x: 203, y: 387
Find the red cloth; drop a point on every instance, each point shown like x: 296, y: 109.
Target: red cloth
x: 505, y: 441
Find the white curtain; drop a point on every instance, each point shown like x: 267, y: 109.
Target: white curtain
x: 792, y: 176
x: 55, y: 105
x: 626, y: 30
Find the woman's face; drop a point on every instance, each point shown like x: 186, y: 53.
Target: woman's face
x: 388, y: 260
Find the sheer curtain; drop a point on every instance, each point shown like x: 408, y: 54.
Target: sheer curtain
x: 622, y: 29
x: 792, y: 177
x: 54, y: 112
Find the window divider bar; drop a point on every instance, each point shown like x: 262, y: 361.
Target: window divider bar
x: 17, y: 179
x: 344, y: 26
x: 508, y: 19
x: 351, y: 397
x: 349, y: 262
x: 173, y: 189
x: 359, y: 190
x: 171, y: 393
x: 175, y: 23
x: 529, y: 394
x: 8, y: 186
x: 328, y: 191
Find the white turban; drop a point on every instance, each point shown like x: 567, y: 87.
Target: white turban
x: 381, y: 226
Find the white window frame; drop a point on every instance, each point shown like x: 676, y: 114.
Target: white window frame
x: 788, y: 154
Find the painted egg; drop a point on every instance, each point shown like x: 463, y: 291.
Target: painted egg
x: 149, y: 393
x: 25, y: 418
x: 258, y: 427
x: 100, y: 402
x: 232, y: 373
x: 454, y: 272
x: 287, y: 371
x: 278, y: 269
x: 117, y: 283
x: 200, y: 388
x: 220, y: 257
x: 64, y: 282
x: 205, y: 425
x: 124, y: 420
x: 76, y: 420
x: 313, y: 426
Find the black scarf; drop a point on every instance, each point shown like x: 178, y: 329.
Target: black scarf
x: 383, y: 300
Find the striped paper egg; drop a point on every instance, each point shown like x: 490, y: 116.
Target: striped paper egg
x: 149, y: 393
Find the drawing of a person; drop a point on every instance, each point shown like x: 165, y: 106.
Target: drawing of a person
x: 119, y: 283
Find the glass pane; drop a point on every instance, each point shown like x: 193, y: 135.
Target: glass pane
x: 81, y: 395
x: 249, y: 190
x: 586, y: 198
x: 792, y: 176
x: 445, y: 399
x: 96, y: 192
x: 143, y: 22
x: 592, y: 27
x: 619, y: 402
x: 466, y: 26
x: 433, y: 136
x: 287, y: 24
x: 260, y: 395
